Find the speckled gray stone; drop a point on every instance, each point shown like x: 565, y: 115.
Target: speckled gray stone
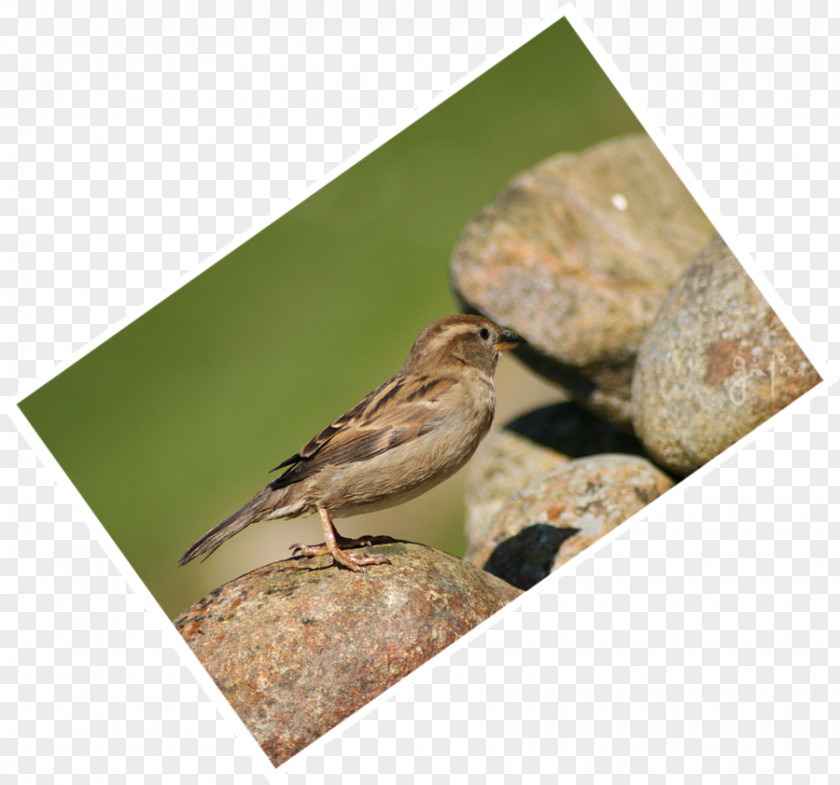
x: 299, y: 645
x: 577, y: 255
x: 558, y: 515
x: 716, y: 363
x: 530, y: 446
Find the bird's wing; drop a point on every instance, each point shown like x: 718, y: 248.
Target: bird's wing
x: 401, y: 409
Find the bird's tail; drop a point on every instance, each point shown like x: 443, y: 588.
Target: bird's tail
x: 264, y: 505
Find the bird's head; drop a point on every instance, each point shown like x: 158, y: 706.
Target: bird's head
x: 461, y: 339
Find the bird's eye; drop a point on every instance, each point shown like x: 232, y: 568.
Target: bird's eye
x: 484, y: 333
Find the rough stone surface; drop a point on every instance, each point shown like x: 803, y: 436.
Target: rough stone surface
x: 558, y: 515
x: 578, y: 255
x: 529, y: 446
x: 299, y: 645
x: 716, y: 363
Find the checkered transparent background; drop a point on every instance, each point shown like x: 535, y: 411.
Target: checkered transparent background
x: 696, y: 643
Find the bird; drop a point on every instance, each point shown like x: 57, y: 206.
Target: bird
x: 406, y: 436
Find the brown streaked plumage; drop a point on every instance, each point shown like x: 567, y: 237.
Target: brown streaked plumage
x: 406, y: 436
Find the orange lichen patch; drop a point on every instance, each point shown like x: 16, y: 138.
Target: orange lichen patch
x: 727, y: 357
x: 554, y: 513
x: 193, y: 629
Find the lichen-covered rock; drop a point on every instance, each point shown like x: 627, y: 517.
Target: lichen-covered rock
x: 529, y: 446
x: 505, y: 463
x: 299, y: 645
x: 716, y: 363
x: 577, y: 255
x: 558, y: 515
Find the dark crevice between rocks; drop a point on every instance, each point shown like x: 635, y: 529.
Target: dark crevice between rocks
x: 569, y: 429
x: 526, y: 558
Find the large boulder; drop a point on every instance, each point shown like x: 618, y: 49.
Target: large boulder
x: 299, y: 645
x: 578, y: 255
x: 533, y: 444
x: 559, y: 514
x: 716, y: 363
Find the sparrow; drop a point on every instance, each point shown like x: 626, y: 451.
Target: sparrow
x: 409, y: 434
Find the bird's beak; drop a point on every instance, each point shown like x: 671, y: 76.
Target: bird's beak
x: 508, y: 339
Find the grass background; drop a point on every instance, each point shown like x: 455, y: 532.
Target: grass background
x: 175, y: 421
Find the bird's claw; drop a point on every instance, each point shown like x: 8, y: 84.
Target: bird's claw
x: 352, y: 561
x: 301, y: 549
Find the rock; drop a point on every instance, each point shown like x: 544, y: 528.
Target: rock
x: 715, y: 364
x: 578, y: 255
x: 558, y: 515
x: 533, y: 444
x: 299, y: 645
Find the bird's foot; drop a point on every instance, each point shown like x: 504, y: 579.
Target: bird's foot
x: 322, y: 548
x: 352, y: 561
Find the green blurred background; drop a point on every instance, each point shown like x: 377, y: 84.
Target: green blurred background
x: 174, y: 423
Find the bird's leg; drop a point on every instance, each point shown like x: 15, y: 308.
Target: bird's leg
x: 334, y: 544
